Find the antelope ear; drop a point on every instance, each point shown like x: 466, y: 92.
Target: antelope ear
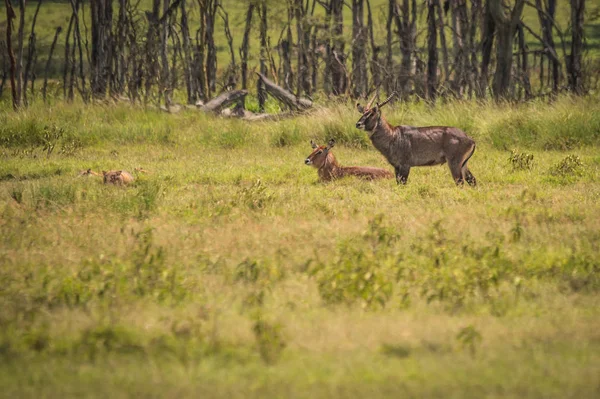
x: 330, y: 144
x: 104, y: 172
x: 89, y: 171
x: 360, y: 108
x: 375, y: 109
x: 119, y: 172
x: 313, y: 145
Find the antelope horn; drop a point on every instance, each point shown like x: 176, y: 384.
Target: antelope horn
x: 387, y: 100
x: 371, y: 102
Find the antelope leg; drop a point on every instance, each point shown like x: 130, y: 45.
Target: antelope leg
x: 402, y: 174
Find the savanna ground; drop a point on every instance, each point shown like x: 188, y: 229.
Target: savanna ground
x: 229, y: 271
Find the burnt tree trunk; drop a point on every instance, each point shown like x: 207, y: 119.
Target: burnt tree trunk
x: 574, y: 61
x: 432, y: 55
x: 375, y: 65
x: 31, y: 54
x: 441, y: 27
x: 20, y: 40
x: 102, y: 14
x: 231, y: 76
x: 407, y: 35
x: 262, y: 95
x: 302, y: 69
x: 187, y: 53
x: 476, y: 16
x: 546, y: 17
x: 49, y: 61
x: 389, y: 61
x: 10, y: 15
x: 339, y: 77
x: 244, y: 50
x: 487, y: 44
x: 505, y: 31
x: 524, y: 62
x: 165, y: 75
x: 211, y: 54
x: 152, y: 49
x: 359, y: 57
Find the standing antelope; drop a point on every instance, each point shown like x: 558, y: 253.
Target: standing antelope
x: 329, y: 169
x: 408, y: 146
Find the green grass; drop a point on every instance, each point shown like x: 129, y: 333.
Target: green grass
x: 229, y: 271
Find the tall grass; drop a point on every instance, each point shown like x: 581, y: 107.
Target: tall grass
x: 229, y: 270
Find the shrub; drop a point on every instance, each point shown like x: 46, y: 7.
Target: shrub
x: 569, y: 166
x: 362, y: 270
x: 520, y: 160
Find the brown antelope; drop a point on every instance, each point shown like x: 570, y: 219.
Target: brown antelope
x: 329, y: 169
x: 118, y: 177
x: 408, y: 146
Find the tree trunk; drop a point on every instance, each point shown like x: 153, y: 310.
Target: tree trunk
x: 432, y: 59
x: 389, y: 61
x: 441, y: 26
x: 546, y: 17
x: 375, y: 66
x: 339, y: 79
x: 505, y: 32
x: 165, y: 79
x: 20, y: 39
x: 101, y: 11
x: 262, y: 96
x: 359, y: 56
x: 49, y: 61
x: 211, y: 55
x: 187, y: 53
x: 245, y: 46
x: 30, y: 53
x: 574, y: 61
x: 487, y: 43
x: 10, y: 15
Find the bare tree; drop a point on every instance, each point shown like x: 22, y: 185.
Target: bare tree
x: 432, y: 55
x: 49, y: 61
x: 359, y: 55
x: 10, y: 15
x: 245, y: 45
x: 262, y: 95
x: 574, y: 61
x: 546, y: 16
x: 31, y: 54
x: 336, y: 55
x: 102, y: 46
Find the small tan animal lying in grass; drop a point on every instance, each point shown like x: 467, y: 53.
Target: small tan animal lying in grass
x: 118, y: 177
x: 329, y: 169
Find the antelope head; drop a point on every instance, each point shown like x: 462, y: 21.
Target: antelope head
x: 318, y: 157
x: 371, y: 115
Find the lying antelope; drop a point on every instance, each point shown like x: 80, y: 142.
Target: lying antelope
x: 408, y: 146
x: 118, y: 177
x: 329, y: 169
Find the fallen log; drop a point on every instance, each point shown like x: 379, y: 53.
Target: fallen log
x: 223, y: 100
x: 290, y: 100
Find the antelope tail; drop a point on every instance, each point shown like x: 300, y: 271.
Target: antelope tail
x: 469, y: 157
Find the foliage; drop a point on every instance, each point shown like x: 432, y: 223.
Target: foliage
x: 362, y: 270
x: 520, y: 160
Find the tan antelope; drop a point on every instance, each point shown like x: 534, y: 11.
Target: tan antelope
x: 408, y: 146
x: 329, y: 168
x: 117, y: 177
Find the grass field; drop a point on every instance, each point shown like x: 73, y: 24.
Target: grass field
x: 229, y: 271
